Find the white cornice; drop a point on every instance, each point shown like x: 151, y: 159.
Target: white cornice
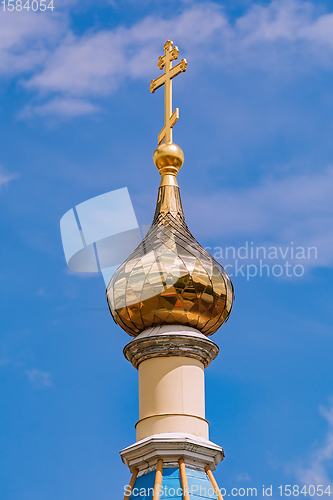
x: 195, y: 450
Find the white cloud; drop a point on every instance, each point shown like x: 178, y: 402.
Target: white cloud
x: 296, y: 208
x: 279, y: 20
x: 66, y: 107
x: 318, y: 468
x: 26, y: 40
x: 39, y: 379
x: 6, y: 177
x: 97, y: 63
x: 286, y: 20
x: 282, y: 35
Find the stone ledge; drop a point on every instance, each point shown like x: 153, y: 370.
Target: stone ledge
x: 172, y: 340
x: 196, y: 451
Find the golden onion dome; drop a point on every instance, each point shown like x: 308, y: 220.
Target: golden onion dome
x: 170, y: 279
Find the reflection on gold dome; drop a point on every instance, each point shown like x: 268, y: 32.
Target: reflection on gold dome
x: 169, y: 278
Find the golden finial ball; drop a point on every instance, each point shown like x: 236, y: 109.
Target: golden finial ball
x: 168, y: 158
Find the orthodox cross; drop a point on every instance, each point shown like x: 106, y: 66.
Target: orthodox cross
x: 170, y: 53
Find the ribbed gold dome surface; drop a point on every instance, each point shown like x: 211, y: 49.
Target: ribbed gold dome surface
x: 170, y: 278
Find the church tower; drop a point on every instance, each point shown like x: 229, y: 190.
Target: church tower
x: 170, y: 295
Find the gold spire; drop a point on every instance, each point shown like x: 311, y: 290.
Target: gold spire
x: 170, y: 54
x: 169, y: 278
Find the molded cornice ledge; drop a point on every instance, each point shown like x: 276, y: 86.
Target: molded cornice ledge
x: 171, y: 340
x: 195, y: 450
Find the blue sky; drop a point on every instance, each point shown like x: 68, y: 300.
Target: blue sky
x: 256, y: 126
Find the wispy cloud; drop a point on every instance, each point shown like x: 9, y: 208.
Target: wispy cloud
x: 6, y: 177
x: 97, y: 63
x: 296, y: 208
x: 243, y: 477
x: 65, y: 107
x: 286, y: 35
x: 39, y: 379
x: 69, y: 69
x: 286, y: 20
x: 318, y: 468
x: 27, y: 40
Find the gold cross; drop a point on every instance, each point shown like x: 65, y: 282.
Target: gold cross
x: 171, y: 53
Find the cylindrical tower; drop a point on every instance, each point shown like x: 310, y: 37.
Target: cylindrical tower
x: 170, y: 295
